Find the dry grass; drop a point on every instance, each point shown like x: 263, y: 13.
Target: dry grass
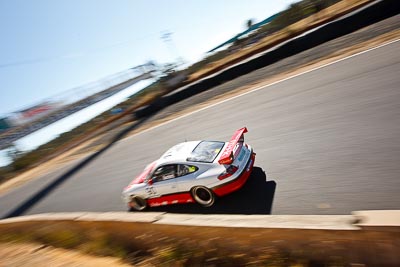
x: 143, y: 244
x: 38, y: 255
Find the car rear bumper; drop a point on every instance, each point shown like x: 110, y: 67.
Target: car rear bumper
x: 236, y: 184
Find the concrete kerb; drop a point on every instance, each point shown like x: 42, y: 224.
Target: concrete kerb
x: 325, y: 222
x: 378, y: 219
x: 358, y: 220
x: 149, y: 217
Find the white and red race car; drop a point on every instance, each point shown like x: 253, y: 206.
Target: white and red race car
x: 195, y: 171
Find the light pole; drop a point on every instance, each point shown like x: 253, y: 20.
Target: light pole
x: 166, y: 37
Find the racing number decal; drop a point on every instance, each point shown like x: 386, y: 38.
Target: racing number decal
x: 150, y: 191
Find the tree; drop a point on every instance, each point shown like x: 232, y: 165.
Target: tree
x: 249, y: 23
x: 169, y: 68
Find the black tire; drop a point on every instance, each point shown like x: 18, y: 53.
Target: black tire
x: 137, y: 203
x: 203, y: 196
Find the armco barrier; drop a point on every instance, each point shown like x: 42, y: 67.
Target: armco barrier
x: 345, y: 25
x: 317, y: 239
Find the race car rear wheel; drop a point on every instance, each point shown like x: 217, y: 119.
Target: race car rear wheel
x: 137, y: 203
x: 203, y: 196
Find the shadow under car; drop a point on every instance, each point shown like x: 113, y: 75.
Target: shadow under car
x: 255, y: 197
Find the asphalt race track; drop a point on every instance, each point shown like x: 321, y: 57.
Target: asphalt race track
x: 327, y: 142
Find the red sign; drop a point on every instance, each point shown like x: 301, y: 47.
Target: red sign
x: 35, y: 111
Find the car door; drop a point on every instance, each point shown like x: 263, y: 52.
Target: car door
x: 163, y: 181
x: 186, y: 179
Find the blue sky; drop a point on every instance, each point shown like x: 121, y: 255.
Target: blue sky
x: 50, y: 46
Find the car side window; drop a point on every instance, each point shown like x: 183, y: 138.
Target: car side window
x: 166, y: 172
x: 184, y: 169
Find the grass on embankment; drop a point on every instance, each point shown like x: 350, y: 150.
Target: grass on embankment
x: 172, y: 245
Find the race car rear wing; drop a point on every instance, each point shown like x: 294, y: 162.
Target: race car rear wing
x: 228, y: 154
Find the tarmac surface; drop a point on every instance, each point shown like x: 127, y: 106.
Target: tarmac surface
x: 326, y: 143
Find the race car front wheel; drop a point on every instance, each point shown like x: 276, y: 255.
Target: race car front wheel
x: 203, y: 196
x: 137, y: 203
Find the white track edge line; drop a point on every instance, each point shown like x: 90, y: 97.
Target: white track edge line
x: 261, y: 87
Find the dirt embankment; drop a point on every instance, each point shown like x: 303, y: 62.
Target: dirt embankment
x: 37, y: 255
x: 143, y: 243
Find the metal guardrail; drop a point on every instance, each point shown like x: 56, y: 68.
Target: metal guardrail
x: 13, y: 134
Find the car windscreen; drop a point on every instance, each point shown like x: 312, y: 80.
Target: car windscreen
x: 206, y: 151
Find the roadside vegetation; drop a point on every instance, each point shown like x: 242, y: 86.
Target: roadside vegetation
x: 294, y: 13
x: 294, y: 20
x: 98, y: 243
x: 151, y: 245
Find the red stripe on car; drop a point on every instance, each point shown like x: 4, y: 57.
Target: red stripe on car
x: 170, y: 199
x: 142, y: 177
